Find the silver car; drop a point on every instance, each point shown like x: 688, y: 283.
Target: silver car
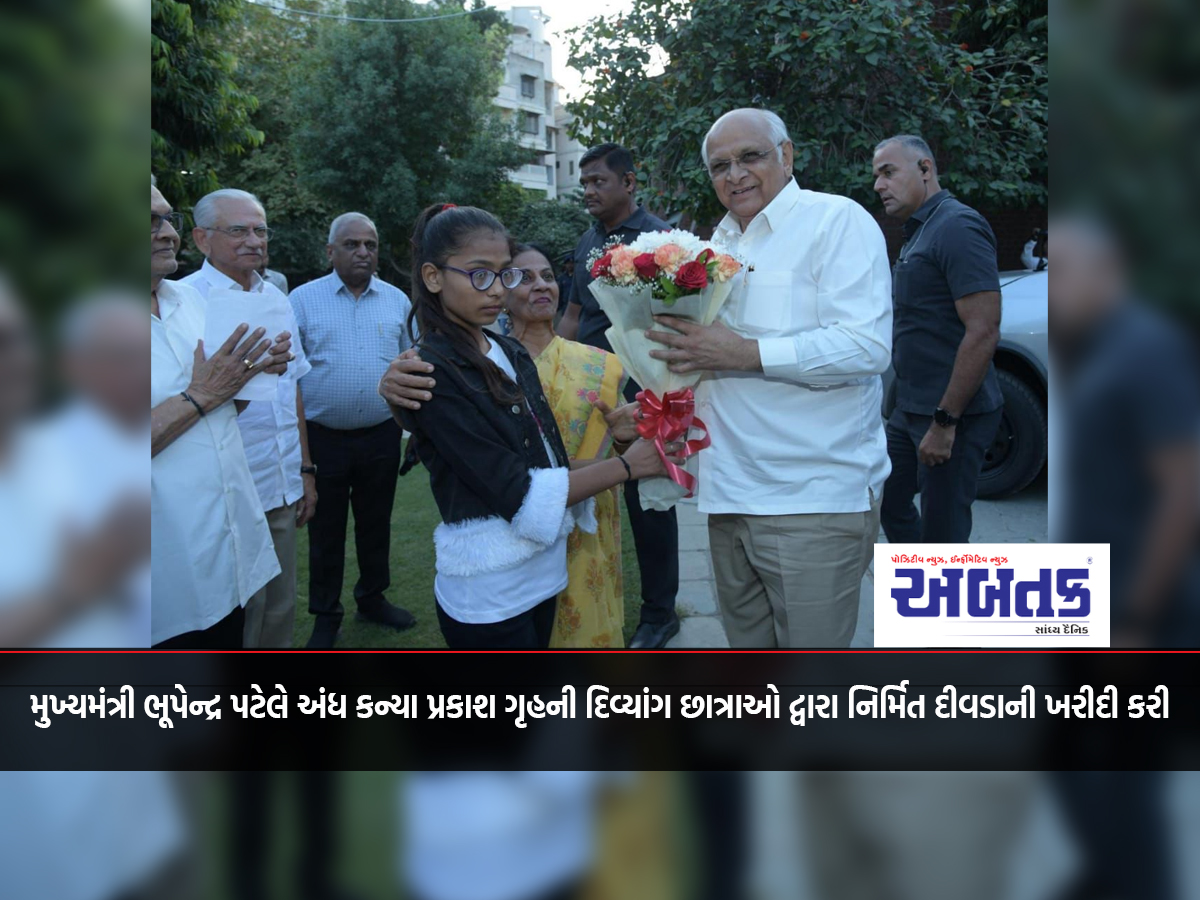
x: 1018, y: 452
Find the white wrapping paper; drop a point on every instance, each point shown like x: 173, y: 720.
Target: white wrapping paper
x: 631, y: 311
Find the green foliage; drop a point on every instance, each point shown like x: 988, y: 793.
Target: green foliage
x: 554, y: 224
x: 843, y: 75
x: 389, y: 119
x: 1126, y: 138
x: 270, y: 49
x: 198, y: 107
x: 73, y: 112
x: 509, y: 199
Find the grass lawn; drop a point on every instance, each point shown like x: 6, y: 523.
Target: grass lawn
x: 367, y: 824
x: 414, y: 516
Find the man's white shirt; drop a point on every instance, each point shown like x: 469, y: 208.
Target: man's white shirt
x: 806, y: 434
x: 211, y: 547
x: 93, y: 442
x: 270, y: 429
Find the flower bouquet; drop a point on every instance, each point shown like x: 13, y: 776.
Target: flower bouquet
x: 661, y: 273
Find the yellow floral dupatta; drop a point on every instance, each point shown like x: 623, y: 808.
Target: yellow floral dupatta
x: 591, y: 611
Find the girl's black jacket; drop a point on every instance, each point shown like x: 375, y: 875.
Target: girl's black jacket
x: 502, y: 499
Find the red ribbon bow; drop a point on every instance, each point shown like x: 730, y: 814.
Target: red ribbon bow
x: 446, y: 206
x: 667, y: 420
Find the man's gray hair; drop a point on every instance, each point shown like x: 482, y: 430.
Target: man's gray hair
x: 153, y: 180
x: 205, y: 211
x: 775, y: 127
x: 81, y: 322
x: 913, y: 143
x: 345, y: 218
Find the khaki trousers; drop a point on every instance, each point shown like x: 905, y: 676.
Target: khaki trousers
x: 914, y: 835
x: 271, y: 612
x: 791, y: 581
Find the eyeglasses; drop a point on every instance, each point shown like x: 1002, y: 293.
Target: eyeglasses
x: 482, y: 279
x: 719, y: 167
x: 528, y: 275
x: 156, y: 222
x: 241, y: 232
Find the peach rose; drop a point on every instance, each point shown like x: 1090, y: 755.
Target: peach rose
x: 727, y: 267
x: 669, y: 257
x: 622, y: 267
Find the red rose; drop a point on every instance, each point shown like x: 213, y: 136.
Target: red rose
x: 600, y: 266
x: 804, y: 35
x: 705, y: 255
x: 963, y: 47
x: 645, y: 265
x: 691, y: 276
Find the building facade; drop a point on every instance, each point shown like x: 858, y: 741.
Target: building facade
x: 567, y: 153
x: 530, y: 94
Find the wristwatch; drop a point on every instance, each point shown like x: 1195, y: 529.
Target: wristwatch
x: 308, y: 470
x: 944, y: 418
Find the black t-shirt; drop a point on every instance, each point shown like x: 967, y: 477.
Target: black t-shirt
x: 1133, y: 391
x: 950, y: 252
x: 592, y: 320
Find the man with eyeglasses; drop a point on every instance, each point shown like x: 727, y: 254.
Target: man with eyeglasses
x: 231, y: 231
x: 793, y: 480
x: 212, y: 549
x: 352, y: 324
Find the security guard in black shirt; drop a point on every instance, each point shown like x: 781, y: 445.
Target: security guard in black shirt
x: 946, y: 324
x: 609, y: 192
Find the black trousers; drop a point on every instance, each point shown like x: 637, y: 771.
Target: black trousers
x: 254, y: 836
x: 225, y: 635
x: 656, y: 540
x: 947, y: 491
x: 571, y: 892
x: 1120, y: 823
x: 354, y: 469
x: 531, y: 630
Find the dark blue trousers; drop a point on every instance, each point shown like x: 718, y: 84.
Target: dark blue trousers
x: 947, y: 491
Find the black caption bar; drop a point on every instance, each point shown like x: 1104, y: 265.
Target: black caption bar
x: 911, y: 710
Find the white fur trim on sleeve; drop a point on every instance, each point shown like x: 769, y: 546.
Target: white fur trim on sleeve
x: 540, y: 517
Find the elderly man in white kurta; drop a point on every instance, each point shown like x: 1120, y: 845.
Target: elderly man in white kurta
x: 792, y: 395
x: 231, y: 230
x: 211, y: 546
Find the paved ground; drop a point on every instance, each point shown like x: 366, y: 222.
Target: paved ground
x: 1017, y: 519
x: 1044, y: 858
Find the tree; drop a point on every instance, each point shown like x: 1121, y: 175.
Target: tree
x: 391, y: 117
x: 553, y: 224
x: 270, y: 49
x: 198, y: 109
x: 843, y: 75
x: 72, y: 109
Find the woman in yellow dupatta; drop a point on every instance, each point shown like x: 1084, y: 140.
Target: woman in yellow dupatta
x: 591, y: 611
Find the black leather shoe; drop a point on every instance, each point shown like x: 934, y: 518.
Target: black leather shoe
x: 386, y: 615
x: 324, y: 635
x: 650, y: 636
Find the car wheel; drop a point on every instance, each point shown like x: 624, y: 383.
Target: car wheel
x: 1018, y: 451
